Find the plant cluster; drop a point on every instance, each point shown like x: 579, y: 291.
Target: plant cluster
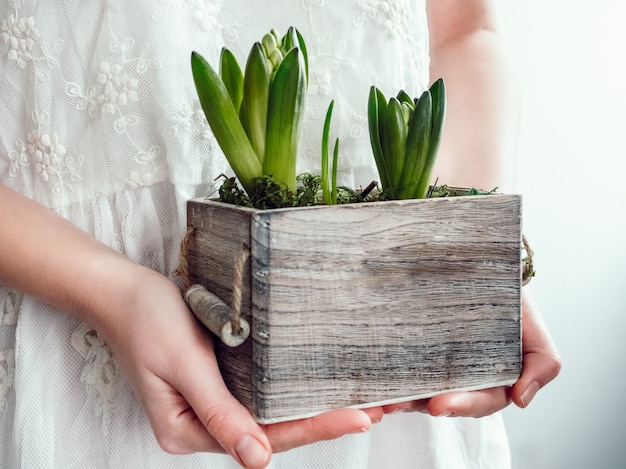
x: 405, y: 135
x: 256, y: 116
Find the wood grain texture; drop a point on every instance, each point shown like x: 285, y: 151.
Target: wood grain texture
x: 359, y: 304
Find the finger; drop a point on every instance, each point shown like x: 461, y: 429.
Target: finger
x: 224, y: 427
x: 287, y: 435
x: 375, y: 414
x: 541, y: 360
x: 219, y: 416
x: 176, y: 426
x: 171, y: 365
x: 189, y: 405
x: 469, y: 404
x: 409, y: 406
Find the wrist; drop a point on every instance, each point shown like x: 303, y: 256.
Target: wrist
x: 112, y: 290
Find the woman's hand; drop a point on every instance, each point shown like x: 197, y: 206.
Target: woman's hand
x: 166, y: 355
x: 541, y: 364
x: 168, y: 358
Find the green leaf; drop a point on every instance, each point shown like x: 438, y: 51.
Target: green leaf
x: 326, y: 184
x: 224, y: 122
x: 403, y: 97
x: 333, y: 195
x: 417, y: 146
x: 375, y: 108
x: 394, y: 143
x: 305, y: 54
x: 438, y: 93
x: 285, y: 114
x: 290, y: 40
x: 256, y: 86
x: 231, y: 75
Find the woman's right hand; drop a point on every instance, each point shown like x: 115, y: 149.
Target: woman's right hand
x: 166, y: 355
x: 169, y: 360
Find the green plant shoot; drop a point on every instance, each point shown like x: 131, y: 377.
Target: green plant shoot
x: 404, y: 136
x: 329, y: 178
x: 256, y: 115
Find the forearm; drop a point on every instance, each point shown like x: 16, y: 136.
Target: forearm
x: 45, y: 256
x: 479, y: 141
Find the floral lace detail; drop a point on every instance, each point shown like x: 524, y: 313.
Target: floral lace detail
x: 22, y: 42
x: 118, y: 88
x: 101, y: 373
x: 47, y: 156
x: 385, y: 12
x: 205, y: 12
x: 42, y: 152
x: 189, y: 119
x: 19, y: 35
x: 115, y: 90
x: 149, y: 159
x: 10, y: 303
x: 326, y: 60
x: 7, y: 376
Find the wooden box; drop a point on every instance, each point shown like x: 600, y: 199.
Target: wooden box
x: 363, y: 304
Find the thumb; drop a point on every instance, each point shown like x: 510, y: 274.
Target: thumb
x: 541, y: 360
x: 169, y: 360
x: 222, y: 417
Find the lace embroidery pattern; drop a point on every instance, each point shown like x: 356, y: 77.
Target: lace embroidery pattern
x: 154, y: 173
x: 110, y: 94
x: 387, y: 13
x: 47, y: 157
x: 7, y: 376
x: 10, y: 303
x: 116, y: 87
x: 101, y: 374
x: 327, y: 58
x: 19, y: 36
x: 205, y: 12
x: 22, y: 44
x: 186, y: 119
x: 41, y: 151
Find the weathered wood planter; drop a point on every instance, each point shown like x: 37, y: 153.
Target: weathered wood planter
x: 355, y: 305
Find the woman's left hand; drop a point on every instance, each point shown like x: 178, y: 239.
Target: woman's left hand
x: 541, y: 364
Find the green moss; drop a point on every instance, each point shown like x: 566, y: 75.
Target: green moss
x: 231, y: 193
x: 269, y: 194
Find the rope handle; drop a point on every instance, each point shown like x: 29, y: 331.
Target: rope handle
x: 223, y: 321
x: 528, y: 268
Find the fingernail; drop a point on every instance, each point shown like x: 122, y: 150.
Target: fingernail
x: 529, y: 393
x: 251, y: 452
x: 446, y: 413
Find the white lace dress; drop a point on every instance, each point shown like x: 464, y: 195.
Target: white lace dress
x: 99, y: 121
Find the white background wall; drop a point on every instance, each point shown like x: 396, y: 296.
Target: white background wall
x: 571, y: 58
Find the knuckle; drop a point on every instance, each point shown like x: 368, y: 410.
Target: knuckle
x: 169, y: 439
x: 216, y: 420
x: 170, y: 444
x: 555, y: 364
